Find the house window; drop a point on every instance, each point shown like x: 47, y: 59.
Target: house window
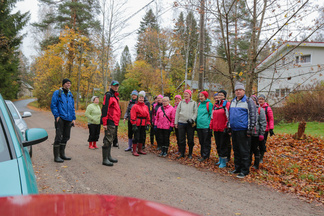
x: 305, y: 58
x: 277, y: 92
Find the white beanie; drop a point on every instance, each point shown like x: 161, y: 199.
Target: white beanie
x: 93, y: 98
x: 141, y: 94
x: 238, y: 86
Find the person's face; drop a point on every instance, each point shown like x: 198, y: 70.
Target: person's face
x: 67, y: 85
x: 155, y: 100
x: 177, y: 100
x: 115, y: 87
x: 239, y: 93
x: 141, y: 99
x: 165, y: 102
x: 186, y: 95
x: 221, y: 96
x: 134, y: 97
x: 261, y: 101
x: 96, y: 100
x: 202, y: 97
x: 216, y: 98
x: 159, y: 100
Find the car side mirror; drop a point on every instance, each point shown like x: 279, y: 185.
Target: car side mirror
x: 35, y: 136
x: 26, y: 114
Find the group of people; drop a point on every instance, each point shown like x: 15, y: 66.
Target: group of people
x: 245, y: 120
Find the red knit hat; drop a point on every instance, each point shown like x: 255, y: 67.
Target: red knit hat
x: 205, y: 94
x: 189, y: 92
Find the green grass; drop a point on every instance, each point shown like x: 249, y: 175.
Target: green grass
x: 315, y: 129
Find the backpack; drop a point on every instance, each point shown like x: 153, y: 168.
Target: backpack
x: 207, y: 106
x: 60, y: 92
x: 222, y: 107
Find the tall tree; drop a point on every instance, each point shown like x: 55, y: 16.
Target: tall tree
x: 10, y: 26
x: 125, y: 61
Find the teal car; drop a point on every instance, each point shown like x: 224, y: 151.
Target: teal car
x: 17, y: 174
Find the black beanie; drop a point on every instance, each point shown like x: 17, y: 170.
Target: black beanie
x: 65, y: 81
x: 224, y: 92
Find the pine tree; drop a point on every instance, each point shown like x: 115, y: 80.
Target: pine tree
x: 125, y: 61
x: 10, y: 26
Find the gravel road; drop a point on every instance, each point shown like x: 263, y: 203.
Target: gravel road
x: 152, y: 178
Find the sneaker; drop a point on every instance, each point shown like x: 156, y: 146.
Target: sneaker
x: 190, y: 156
x: 241, y: 175
x: 201, y: 159
x: 234, y: 171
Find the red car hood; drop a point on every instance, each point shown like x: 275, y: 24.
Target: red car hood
x: 84, y: 204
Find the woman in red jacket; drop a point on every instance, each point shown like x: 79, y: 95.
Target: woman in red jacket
x: 218, y: 124
x: 270, y: 124
x: 140, y: 119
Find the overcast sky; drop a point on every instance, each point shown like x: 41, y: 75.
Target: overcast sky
x: 132, y: 7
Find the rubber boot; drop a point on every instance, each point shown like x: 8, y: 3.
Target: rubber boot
x: 94, y: 144
x: 165, y: 152
x: 222, y: 162
x: 130, y: 143
x: 261, y: 157
x: 134, y: 150
x: 256, y: 162
x: 56, y: 151
x: 105, y: 160
x: 91, y: 145
x: 62, y: 152
x: 109, y: 156
x: 140, y: 145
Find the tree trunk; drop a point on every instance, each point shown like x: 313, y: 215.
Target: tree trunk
x: 301, y: 130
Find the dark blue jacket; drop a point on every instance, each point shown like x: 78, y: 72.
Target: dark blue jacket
x: 63, y: 105
x: 242, y: 114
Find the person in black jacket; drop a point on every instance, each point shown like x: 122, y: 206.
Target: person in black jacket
x: 131, y: 103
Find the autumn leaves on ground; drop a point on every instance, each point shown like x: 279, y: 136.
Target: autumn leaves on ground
x: 292, y: 166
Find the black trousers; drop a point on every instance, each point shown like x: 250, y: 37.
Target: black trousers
x: 140, y: 135
x: 62, y: 131
x: 223, y: 144
x: 94, y: 132
x: 255, y: 143
x: 177, y: 136
x: 186, y: 131
x: 204, y: 136
x: 263, y: 147
x: 241, y: 147
x: 116, y: 136
x: 158, y: 137
x: 164, y: 135
x: 130, y: 130
x: 152, y: 133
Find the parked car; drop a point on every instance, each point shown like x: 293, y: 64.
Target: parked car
x: 17, y: 174
x: 85, y: 204
x: 20, y: 122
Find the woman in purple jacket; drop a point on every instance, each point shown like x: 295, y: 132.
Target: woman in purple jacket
x: 164, y: 121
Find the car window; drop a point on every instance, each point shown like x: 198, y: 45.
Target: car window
x: 13, y: 111
x: 4, y: 151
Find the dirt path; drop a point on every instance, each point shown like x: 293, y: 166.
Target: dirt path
x: 153, y: 178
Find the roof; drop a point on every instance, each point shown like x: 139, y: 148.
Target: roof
x: 27, y: 85
x: 281, y: 48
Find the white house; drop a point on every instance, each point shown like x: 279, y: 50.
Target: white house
x: 290, y: 68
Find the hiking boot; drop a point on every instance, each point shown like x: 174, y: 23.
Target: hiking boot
x: 240, y: 175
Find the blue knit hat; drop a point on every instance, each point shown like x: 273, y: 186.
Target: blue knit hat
x: 134, y: 92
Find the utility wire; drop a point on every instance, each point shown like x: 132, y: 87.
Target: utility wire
x: 138, y: 11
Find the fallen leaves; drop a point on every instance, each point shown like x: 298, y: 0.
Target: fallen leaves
x: 290, y: 166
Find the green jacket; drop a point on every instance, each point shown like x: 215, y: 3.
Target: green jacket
x: 93, y: 113
x: 203, y: 116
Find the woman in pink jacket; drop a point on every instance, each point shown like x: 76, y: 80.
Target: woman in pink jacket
x: 270, y: 124
x: 164, y: 121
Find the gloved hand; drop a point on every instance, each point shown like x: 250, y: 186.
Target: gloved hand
x: 249, y: 133
x: 171, y: 129
x: 190, y: 121
x: 147, y: 127
x: 271, y: 132
x: 228, y: 130
x: 261, y: 137
x: 134, y: 128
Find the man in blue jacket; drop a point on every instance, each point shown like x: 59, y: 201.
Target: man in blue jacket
x: 242, y: 119
x: 62, y: 107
